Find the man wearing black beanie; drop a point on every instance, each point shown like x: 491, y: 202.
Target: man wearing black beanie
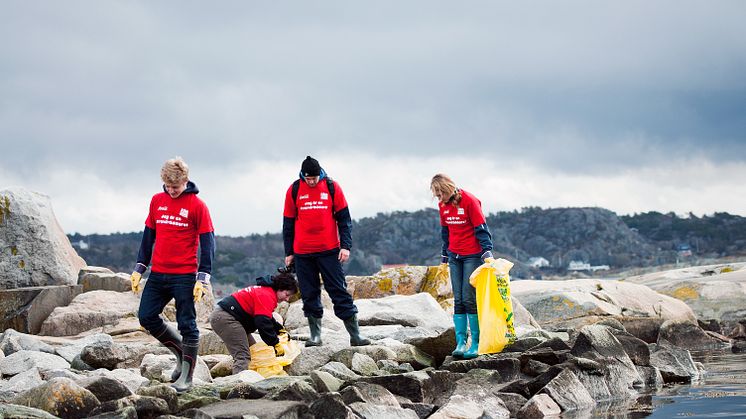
x: 316, y: 233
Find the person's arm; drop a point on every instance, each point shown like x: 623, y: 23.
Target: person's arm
x: 265, y: 325
x: 484, y: 237
x: 444, y: 250
x: 146, y: 247
x: 344, y: 225
x: 288, y: 222
x: 288, y: 234
x: 207, y: 252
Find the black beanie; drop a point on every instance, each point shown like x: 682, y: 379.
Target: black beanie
x: 310, y: 167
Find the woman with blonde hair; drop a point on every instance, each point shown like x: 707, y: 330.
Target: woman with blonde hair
x: 467, y: 243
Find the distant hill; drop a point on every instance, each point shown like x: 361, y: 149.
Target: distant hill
x: 595, y: 236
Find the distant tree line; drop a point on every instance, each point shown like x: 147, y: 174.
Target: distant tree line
x: 560, y: 235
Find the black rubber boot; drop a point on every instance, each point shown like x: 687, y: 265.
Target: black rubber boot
x: 353, y: 328
x: 188, y: 364
x: 172, y: 340
x: 314, y: 323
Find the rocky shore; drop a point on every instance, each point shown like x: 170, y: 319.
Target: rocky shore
x: 72, y: 347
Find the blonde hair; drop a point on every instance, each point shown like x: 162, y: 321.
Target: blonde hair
x: 174, y: 171
x: 442, y: 185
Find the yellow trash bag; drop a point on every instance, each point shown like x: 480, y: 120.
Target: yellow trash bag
x: 494, y: 307
x: 264, y: 361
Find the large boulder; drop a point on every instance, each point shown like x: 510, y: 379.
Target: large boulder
x: 562, y: 304
x: 90, y: 310
x: 98, y: 278
x: 714, y: 291
x: 35, y: 249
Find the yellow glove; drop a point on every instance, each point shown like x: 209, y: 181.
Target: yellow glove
x: 136, y: 277
x: 201, y: 286
x: 279, y: 350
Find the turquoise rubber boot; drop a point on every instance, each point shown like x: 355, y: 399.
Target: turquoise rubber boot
x: 459, y: 323
x: 473, y: 351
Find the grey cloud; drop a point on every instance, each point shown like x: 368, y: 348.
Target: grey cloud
x: 571, y: 86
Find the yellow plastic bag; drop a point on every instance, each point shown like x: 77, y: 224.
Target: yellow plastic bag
x: 264, y: 361
x: 494, y: 307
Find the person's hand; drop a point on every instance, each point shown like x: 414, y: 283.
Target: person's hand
x: 289, y: 260
x: 201, y: 286
x: 344, y: 255
x: 279, y: 350
x: 487, y: 257
x: 136, y: 277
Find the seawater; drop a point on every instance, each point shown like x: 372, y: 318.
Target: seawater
x: 720, y: 393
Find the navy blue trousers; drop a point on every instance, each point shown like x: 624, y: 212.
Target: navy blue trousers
x: 159, y: 290
x: 308, y: 268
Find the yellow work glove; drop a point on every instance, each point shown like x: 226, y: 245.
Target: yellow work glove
x: 279, y: 350
x: 136, y: 277
x: 201, y: 286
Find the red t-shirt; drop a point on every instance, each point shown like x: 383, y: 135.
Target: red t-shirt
x: 257, y: 300
x: 461, y: 221
x: 177, y: 224
x: 315, y: 226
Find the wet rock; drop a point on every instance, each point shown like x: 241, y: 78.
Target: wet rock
x: 686, y: 335
x: 568, y: 392
x: 459, y: 407
x: 675, y: 364
x: 539, y: 406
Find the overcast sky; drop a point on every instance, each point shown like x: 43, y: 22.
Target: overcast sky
x: 632, y: 106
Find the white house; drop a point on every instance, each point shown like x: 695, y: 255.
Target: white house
x: 538, y: 262
x: 577, y: 265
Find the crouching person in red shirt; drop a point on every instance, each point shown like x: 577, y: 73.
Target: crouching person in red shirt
x: 245, y: 311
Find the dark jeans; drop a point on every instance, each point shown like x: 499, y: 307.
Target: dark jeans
x: 464, y: 295
x: 308, y: 268
x: 159, y: 290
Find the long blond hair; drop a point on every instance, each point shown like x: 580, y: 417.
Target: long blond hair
x: 174, y: 171
x: 442, y: 186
